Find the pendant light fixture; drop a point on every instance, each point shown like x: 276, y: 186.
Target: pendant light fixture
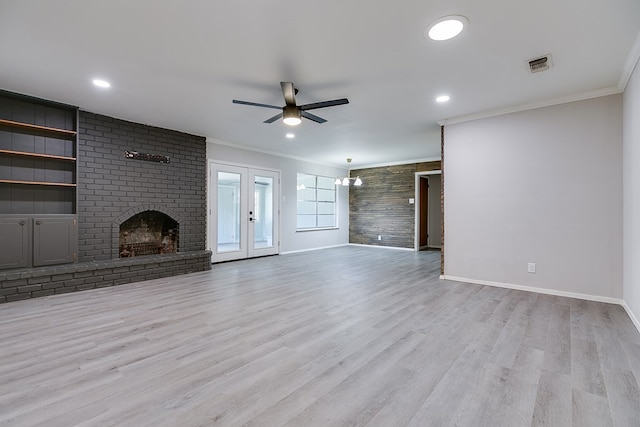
x: 346, y: 180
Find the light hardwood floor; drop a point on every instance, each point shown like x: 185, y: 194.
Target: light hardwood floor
x: 336, y: 337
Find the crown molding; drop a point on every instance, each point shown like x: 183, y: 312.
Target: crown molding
x: 271, y: 153
x: 534, y: 105
x: 400, y: 162
x: 303, y: 159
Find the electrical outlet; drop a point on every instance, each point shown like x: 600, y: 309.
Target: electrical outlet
x: 531, y: 267
x: 379, y: 237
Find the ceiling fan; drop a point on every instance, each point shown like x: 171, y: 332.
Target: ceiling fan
x: 291, y: 113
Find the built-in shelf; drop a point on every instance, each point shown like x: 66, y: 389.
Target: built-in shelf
x: 43, y: 156
x: 56, y: 184
x: 38, y: 182
x: 27, y: 127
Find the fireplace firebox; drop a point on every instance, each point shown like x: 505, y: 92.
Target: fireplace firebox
x: 148, y: 233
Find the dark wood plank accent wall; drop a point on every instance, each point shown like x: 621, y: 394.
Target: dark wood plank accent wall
x: 380, y: 207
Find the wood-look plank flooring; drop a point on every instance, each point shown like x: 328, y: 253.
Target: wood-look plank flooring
x: 348, y: 336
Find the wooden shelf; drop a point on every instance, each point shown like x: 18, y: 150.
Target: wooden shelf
x: 56, y: 184
x: 43, y: 156
x: 26, y: 127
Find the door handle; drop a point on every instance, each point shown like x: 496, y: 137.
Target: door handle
x: 250, y: 219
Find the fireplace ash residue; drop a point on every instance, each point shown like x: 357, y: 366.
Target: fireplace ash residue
x: 148, y: 233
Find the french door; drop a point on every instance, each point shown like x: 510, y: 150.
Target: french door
x: 243, y: 212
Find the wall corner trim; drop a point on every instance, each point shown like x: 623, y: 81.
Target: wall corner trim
x: 586, y: 297
x: 630, y: 64
x: 631, y: 315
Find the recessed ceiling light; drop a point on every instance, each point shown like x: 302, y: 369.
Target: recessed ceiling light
x: 443, y: 98
x: 101, y: 83
x: 446, y: 27
x: 290, y: 135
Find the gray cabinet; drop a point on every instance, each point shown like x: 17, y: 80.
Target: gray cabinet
x: 36, y: 241
x: 54, y: 240
x: 14, y: 243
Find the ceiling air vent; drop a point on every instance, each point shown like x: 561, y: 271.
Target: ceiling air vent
x: 540, y: 64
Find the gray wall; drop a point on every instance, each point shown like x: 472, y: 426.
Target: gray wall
x: 631, y: 195
x: 290, y: 239
x: 541, y: 186
x: 112, y: 187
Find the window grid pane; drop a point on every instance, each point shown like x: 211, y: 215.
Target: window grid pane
x: 316, y: 202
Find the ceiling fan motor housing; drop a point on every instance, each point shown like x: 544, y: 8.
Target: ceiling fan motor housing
x: 291, y: 111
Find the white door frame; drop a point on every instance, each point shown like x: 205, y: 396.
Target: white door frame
x: 416, y: 224
x: 212, y: 230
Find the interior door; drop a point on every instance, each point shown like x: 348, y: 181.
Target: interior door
x: 243, y: 212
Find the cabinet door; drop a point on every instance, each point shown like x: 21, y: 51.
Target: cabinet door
x: 54, y: 240
x: 14, y: 243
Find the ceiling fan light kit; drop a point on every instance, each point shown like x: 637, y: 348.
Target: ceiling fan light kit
x: 292, y: 113
x: 291, y: 116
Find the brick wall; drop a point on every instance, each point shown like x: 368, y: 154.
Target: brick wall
x: 381, y: 205
x: 110, y: 185
x: 61, y: 279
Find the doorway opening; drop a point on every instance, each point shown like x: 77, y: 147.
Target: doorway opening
x: 428, y: 211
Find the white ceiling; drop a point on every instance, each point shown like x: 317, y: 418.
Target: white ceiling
x: 179, y: 63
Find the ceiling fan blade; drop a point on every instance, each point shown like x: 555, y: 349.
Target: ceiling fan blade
x: 255, y: 104
x: 273, y: 119
x: 324, y: 104
x: 312, y: 117
x: 288, y: 91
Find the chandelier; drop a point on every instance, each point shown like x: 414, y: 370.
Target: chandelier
x: 347, y: 179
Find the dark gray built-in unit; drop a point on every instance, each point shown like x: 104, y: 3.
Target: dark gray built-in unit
x: 38, y: 170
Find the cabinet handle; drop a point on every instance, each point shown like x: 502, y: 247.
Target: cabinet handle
x: 21, y: 222
x: 38, y: 222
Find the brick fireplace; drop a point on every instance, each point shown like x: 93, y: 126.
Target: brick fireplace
x: 113, y: 188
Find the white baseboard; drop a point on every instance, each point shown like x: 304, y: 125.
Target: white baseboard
x: 312, y: 249
x: 382, y: 247
x: 537, y: 290
x: 631, y: 315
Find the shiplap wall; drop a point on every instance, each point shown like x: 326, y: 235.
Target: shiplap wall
x: 380, y: 207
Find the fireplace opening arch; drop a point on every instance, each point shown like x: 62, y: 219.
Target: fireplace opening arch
x: 147, y: 232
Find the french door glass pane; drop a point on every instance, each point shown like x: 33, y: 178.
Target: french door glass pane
x: 263, y: 212
x: 228, y: 212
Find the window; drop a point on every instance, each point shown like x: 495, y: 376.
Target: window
x: 316, y: 202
